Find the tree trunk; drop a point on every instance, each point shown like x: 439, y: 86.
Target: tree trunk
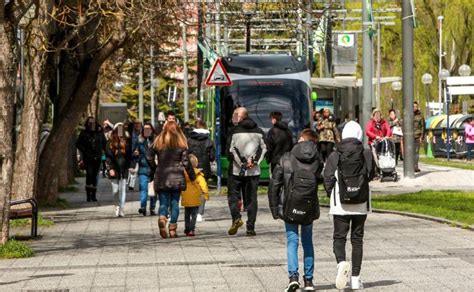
x: 69, y: 117
x: 8, y: 70
x: 26, y: 161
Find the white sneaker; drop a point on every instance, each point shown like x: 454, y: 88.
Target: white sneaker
x: 121, y: 213
x: 117, y: 211
x: 199, y: 218
x: 343, y: 273
x: 356, y: 283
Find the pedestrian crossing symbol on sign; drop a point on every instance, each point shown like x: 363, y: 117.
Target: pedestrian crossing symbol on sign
x: 218, y: 75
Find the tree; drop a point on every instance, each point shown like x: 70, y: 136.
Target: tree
x: 10, y: 14
x: 93, y: 32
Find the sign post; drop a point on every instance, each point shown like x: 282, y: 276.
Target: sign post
x: 218, y: 77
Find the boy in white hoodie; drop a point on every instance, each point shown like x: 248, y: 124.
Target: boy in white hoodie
x: 355, y: 164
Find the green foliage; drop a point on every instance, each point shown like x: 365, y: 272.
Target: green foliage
x: 43, y: 222
x: 14, y: 250
x: 451, y: 163
x: 451, y: 205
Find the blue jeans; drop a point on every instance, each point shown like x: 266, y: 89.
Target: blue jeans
x: 143, y: 181
x: 292, y: 249
x: 169, y: 200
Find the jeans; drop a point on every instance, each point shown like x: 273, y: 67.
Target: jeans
x: 248, y: 186
x: 143, y: 181
x: 341, y: 228
x: 119, y: 189
x: 292, y: 249
x: 169, y: 200
x: 469, y: 148
x: 190, y: 215
x: 202, y: 207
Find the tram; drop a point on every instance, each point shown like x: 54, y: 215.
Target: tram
x: 264, y: 83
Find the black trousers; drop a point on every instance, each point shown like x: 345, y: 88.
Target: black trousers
x: 190, y: 215
x: 398, y: 153
x: 92, y: 170
x: 247, y: 185
x: 342, y: 223
x: 326, y: 149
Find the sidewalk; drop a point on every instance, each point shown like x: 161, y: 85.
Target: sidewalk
x: 431, y: 177
x: 90, y: 250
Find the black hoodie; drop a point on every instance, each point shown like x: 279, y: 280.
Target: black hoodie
x: 279, y: 141
x: 307, y: 157
x: 201, y: 146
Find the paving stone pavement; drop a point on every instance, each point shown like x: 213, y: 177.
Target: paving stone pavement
x: 87, y: 249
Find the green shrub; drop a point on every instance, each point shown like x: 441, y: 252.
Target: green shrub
x: 15, y: 249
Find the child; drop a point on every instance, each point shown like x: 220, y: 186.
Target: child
x: 298, y: 205
x: 346, y: 179
x: 191, y: 197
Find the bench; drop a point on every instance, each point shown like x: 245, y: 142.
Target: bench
x: 22, y: 213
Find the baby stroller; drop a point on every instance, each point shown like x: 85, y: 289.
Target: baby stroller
x: 386, y: 160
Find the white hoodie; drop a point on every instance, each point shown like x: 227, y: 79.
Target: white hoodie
x: 351, y: 130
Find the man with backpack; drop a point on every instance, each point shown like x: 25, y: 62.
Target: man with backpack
x: 293, y: 197
x: 347, y: 175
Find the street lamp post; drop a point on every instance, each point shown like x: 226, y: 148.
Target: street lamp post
x: 396, y: 86
x: 441, y: 54
x: 443, y: 75
x: 427, y: 79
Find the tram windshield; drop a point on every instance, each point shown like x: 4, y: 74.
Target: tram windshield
x: 263, y: 96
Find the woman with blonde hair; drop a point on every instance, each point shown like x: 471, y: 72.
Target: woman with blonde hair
x: 171, y: 150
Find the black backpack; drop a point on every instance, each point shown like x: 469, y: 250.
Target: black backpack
x: 301, y: 204
x: 353, y: 178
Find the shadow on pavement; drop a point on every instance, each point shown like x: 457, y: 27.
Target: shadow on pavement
x: 36, y: 277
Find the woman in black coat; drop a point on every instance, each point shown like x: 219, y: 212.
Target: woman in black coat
x: 170, y: 149
x: 91, y: 144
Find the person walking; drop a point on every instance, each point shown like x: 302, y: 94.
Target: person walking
x: 107, y: 128
x: 279, y: 140
x: 135, y: 130
x: 202, y: 147
x: 119, y: 163
x: 195, y: 192
x: 246, y: 149
x: 419, y: 132
x: 144, y: 142
x: 296, y: 174
x: 171, y: 150
x: 347, y: 174
x: 397, y: 134
x: 377, y: 128
x: 91, y: 143
x: 328, y: 134
x: 469, y: 134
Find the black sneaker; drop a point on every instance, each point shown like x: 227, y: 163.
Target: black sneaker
x: 293, y: 285
x: 235, y: 226
x: 142, y: 211
x: 152, y: 213
x: 308, y: 285
x: 251, y: 232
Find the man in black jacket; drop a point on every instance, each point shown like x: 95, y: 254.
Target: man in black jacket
x: 245, y: 149
x: 279, y: 140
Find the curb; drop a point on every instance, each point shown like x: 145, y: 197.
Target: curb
x: 420, y: 216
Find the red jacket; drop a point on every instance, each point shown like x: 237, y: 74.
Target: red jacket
x: 382, y: 131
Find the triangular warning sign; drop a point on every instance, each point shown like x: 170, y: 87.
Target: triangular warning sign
x: 218, y: 75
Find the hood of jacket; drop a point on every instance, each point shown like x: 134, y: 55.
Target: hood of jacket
x: 350, y: 145
x: 199, y: 134
x: 281, y: 125
x: 248, y: 124
x: 306, y: 152
x: 352, y: 130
